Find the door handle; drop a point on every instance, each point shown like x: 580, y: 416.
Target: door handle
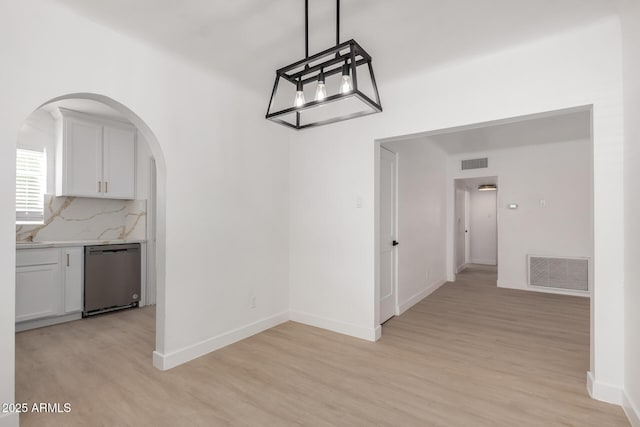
x: 395, y: 243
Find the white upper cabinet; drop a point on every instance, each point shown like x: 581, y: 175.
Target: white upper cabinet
x: 95, y: 157
x: 81, y: 158
x: 119, y: 162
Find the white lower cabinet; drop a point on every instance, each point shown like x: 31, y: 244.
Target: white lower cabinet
x: 37, y: 292
x: 74, y: 262
x: 49, y: 285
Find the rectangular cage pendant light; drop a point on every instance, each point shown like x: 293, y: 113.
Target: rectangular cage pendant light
x: 334, y: 85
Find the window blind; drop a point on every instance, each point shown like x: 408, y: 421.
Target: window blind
x: 30, y: 185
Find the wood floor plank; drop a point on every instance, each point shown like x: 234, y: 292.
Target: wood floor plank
x: 470, y: 354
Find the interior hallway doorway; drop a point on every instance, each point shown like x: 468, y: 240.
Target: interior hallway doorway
x: 476, y: 225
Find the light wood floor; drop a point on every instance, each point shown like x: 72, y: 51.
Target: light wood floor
x: 468, y: 355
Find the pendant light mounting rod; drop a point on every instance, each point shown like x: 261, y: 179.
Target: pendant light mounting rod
x: 306, y: 28
x: 337, y: 22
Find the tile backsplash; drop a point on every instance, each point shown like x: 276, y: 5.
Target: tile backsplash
x: 79, y: 218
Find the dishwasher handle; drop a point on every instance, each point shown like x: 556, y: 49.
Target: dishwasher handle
x: 110, y: 249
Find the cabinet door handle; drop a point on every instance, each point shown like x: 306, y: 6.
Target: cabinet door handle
x: 99, y: 187
x: 106, y: 186
x: 67, y: 260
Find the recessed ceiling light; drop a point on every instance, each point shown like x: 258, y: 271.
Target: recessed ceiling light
x: 487, y: 187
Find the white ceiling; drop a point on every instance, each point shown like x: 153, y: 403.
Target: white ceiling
x: 249, y: 39
x: 556, y: 128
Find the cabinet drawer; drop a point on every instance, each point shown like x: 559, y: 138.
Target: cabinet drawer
x: 25, y: 257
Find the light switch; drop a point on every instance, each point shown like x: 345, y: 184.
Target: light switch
x: 359, y: 202
x: 543, y: 203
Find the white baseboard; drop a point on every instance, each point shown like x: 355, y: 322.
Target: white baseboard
x: 483, y: 261
x: 9, y: 420
x: 462, y: 267
x: 526, y: 287
x: 357, y: 331
x: 632, y: 411
x: 41, y: 323
x: 603, y: 392
x: 183, y: 355
x: 418, y: 297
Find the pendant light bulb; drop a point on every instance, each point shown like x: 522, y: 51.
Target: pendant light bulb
x: 346, y: 85
x: 321, y: 90
x: 299, y: 101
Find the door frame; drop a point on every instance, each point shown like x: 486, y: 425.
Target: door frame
x: 600, y: 126
x: 452, y: 240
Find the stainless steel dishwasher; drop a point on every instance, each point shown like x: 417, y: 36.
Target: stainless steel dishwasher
x: 111, y: 278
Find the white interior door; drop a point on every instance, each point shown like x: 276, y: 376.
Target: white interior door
x: 388, y: 237
x: 467, y: 225
x: 460, y: 224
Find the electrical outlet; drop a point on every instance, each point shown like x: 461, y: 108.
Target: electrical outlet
x: 252, y: 302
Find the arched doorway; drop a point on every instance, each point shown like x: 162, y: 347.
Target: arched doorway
x: 156, y: 170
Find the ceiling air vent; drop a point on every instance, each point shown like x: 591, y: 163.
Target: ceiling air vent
x: 475, y: 163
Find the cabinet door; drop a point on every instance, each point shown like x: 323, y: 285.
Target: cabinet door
x: 119, y: 162
x: 73, y: 279
x: 82, y: 175
x: 37, y: 292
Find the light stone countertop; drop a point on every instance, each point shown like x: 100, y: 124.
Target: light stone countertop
x: 68, y: 243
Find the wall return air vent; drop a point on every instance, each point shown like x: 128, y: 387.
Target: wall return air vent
x: 475, y: 163
x: 565, y: 273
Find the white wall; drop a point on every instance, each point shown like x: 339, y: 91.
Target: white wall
x: 631, y: 55
x: 38, y: 133
x: 143, y: 164
x: 331, y: 238
x: 422, y: 177
x: 332, y: 165
x: 223, y: 175
x: 144, y: 190
x: 559, y: 174
x: 483, y: 236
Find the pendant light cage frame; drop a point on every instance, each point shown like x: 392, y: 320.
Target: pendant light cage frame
x: 347, y: 57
